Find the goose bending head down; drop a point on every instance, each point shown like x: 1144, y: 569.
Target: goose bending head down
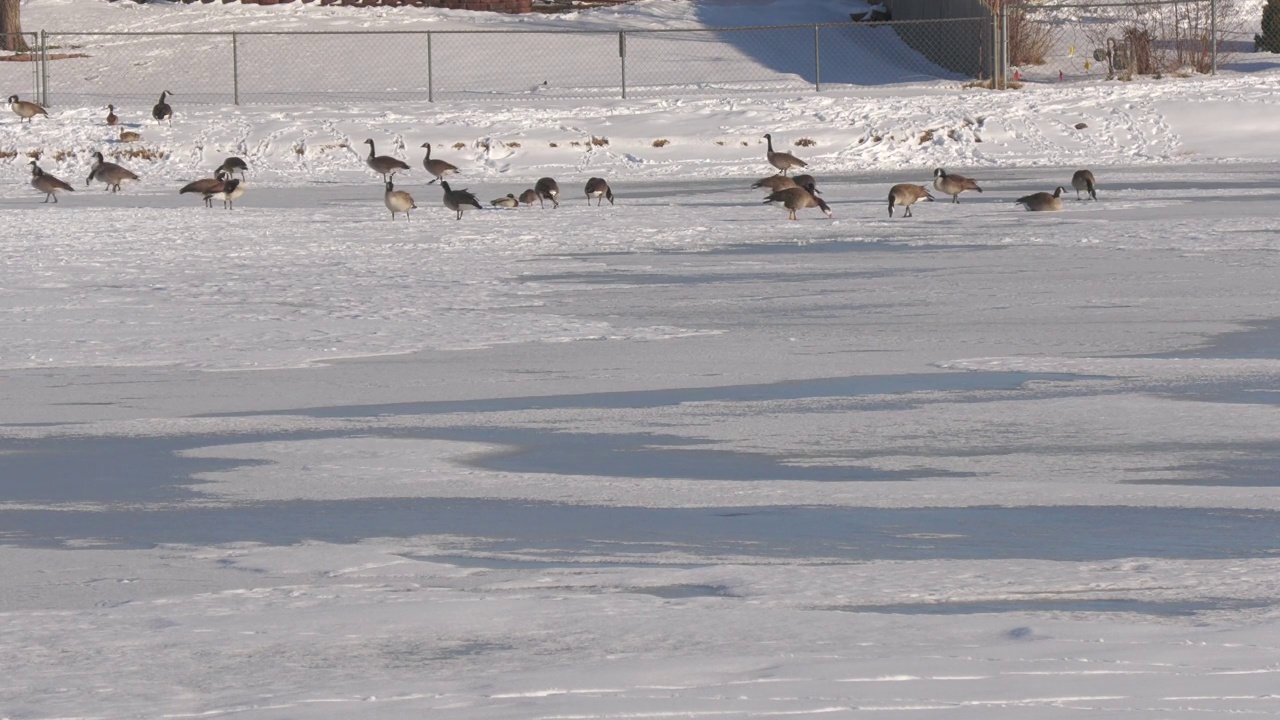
x: 529, y: 197
x: 796, y: 199
x: 781, y: 160
x: 437, y: 167
x: 234, y: 165
x: 456, y: 200
x: 547, y: 189
x: 47, y: 184
x: 384, y: 165
x: 1083, y: 181
x: 206, y: 187
x: 907, y: 195
x: 599, y: 189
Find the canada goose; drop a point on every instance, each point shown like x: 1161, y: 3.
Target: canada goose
x: 227, y: 192
x: 111, y: 115
x: 794, y: 199
x: 384, y: 165
x: 949, y: 184
x: 234, y: 165
x: 907, y: 195
x: 529, y: 197
x: 438, y: 168
x: 398, y: 201
x: 1042, y: 201
x: 782, y: 161
x: 1083, y: 180
x: 110, y: 173
x: 47, y: 184
x: 806, y: 181
x: 599, y: 189
x: 547, y: 189
x: 25, y: 110
x: 456, y: 200
x: 162, y: 111
x: 774, y: 183
x: 129, y: 136
x: 509, y: 201
x: 206, y: 186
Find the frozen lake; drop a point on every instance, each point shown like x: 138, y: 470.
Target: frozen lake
x: 673, y: 457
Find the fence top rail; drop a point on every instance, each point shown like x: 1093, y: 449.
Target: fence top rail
x: 1032, y: 5
x: 639, y: 31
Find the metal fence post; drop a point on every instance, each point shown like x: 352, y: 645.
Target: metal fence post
x: 235, y: 69
x: 44, y: 67
x: 1213, y: 34
x: 817, y: 62
x: 622, y: 53
x: 430, y: 71
x: 1004, y: 45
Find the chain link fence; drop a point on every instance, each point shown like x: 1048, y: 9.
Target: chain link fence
x: 21, y: 69
x: 1113, y: 41
x: 327, y: 67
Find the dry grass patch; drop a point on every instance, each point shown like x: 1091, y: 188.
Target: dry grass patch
x: 661, y: 143
x: 575, y: 143
x: 513, y: 144
x: 926, y: 136
x: 139, y: 154
x: 552, y: 145
x: 599, y: 141
x: 806, y: 142
x: 8, y: 154
x: 459, y: 145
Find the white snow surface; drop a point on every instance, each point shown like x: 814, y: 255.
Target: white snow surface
x: 671, y: 457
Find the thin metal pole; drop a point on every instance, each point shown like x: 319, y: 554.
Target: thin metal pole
x: 235, y: 70
x: 44, y: 64
x: 622, y: 53
x: 1213, y: 34
x: 430, y: 71
x: 1004, y: 46
x: 817, y: 62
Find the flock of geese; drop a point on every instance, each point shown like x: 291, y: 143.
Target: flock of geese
x: 794, y: 193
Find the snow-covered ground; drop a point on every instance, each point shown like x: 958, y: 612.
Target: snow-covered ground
x: 674, y: 457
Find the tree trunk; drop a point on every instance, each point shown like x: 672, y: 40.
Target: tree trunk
x: 11, y: 26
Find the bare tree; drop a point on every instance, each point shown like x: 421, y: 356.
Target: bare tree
x: 11, y: 26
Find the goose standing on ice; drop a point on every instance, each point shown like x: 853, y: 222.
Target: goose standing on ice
x: 907, y: 195
x: 206, y: 186
x: 1042, y: 201
x: 228, y: 192
x: 111, y: 115
x: 234, y: 165
x: 110, y: 173
x: 795, y: 199
x: 384, y: 165
x: 161, y: 110
x: 1083, y: 180
x: 47, y: 184
x: 509, y: 201
x: 25, y: 110
x: 599, y: 189
x: 398, y: 201
x: 438, y: 168
x: 456, y: 200
x: 774, y: 183
x: 781, y: 160
x: 547, y: 189
x: 950, y: 184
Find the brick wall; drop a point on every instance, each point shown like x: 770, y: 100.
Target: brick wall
x: 507, y: 6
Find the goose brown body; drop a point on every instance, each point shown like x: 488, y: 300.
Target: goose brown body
x: 384, y: 165
x: 456, y: 200
x: 529, y: 197
x: 129, y: 136
x: 398, y: 201
x: 206, y: 186
x: 111, y: 115
x: 234, y: 165
x: 1083, y: 181
x: 1042, y: 201
x: 110, y: 173
x: 437, y: 167
x: 781, y: 160
x: 599, y: 189
x: 796, y: 199
x: 25, y: 110
x: 47, y: 184
x: 774, y: 183
x: 906, y: 195
x: 952, y: 184
x: 547, y: 189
